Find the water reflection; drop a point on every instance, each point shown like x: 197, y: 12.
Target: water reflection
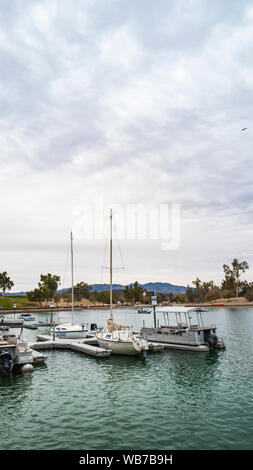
x: 172, y: 399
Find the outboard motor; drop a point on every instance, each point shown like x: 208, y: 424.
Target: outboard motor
x: 212, y: 341
x: 5, y: 360
x: 93, y: 326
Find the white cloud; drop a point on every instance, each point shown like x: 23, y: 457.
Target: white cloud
x: 135, y: 106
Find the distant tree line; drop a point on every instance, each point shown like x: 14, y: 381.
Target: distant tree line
x: 231, y: 286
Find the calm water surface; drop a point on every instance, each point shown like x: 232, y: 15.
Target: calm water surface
x: 171, y: 400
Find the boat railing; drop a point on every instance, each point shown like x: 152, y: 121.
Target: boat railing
x: 184, y: 318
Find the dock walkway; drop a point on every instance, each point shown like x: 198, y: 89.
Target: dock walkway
x: 85, y: 345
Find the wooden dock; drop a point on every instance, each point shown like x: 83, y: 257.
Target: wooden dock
x: 84, y: 345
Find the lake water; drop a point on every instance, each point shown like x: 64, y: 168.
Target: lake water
x: 172, y: 400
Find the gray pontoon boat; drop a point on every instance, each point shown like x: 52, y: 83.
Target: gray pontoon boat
x: 184, y: 333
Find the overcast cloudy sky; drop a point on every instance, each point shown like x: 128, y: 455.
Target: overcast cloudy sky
x: 128, y: 102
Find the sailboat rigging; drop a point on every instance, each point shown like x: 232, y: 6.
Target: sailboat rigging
x: 119, y: 338
x: 71, y: 330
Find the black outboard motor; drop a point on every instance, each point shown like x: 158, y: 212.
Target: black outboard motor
x: 93, y: 326
x: 212, y: 341
x: 5, y: 360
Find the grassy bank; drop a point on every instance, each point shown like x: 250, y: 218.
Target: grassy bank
x: 6, y: 302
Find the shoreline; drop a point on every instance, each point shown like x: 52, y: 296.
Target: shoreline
x: 106, y: 307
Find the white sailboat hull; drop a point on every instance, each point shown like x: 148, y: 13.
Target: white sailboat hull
x: 125, y: 348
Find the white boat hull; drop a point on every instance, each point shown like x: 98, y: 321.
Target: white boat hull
x: 69, y: 331
x: 124, y: 348
x: 71, y: 334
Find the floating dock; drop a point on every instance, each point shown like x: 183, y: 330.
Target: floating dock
x: 35, y: 326
x: 85, y: 345
x: 155, y: 347
x: 38, y: 358
x: 30, y: 326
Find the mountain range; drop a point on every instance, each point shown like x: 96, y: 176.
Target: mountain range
x: 162, y: 287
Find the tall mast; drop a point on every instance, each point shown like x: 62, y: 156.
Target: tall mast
x: 72, y: 278
x: 111, y: 264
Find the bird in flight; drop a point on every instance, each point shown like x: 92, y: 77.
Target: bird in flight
x: 244, y: 129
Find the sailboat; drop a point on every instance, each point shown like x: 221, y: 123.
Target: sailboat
x: 116, y: 337
x: 71, y: 330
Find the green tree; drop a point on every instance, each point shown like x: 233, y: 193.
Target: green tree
x: 5, y: 281
x: 203, y: 291
x: 117, y: 296
x: 49, y: 283
x: 161, y: 297
x: 47, y: 288
x: 134, y: 293
x: 233, y: 274
x: 171, y: 296
x: 180, y: 298
x: 104, y: 297
x: 66, y: 296
x: 82, y: 290
x: 249, y: 292
x: 93, y: 297
x: 198, y: 290
x: 190, y: 294
x: 37, y: 295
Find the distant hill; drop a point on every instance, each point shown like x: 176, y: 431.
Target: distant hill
x: 13, y: 293
x: 162, y: 287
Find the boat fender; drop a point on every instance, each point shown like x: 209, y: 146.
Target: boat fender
x: 27, y: 368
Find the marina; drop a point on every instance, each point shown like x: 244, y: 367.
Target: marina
x: 118, y: 339
x: 126, y: 268
x: 175, y: 391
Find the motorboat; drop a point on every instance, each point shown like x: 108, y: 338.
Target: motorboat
x: 27, y: 317
x: 183, y: 333
x: 120, y: 339
x: 72, y: 331
x: 11, y: 322
x: 14, y: 353
x: 144, y: 310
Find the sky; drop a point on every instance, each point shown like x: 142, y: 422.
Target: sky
x: 122, y: 105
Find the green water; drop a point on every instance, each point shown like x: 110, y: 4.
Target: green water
x: 172, y: 400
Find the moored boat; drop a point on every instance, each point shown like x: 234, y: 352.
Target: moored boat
x: 116, y: 337
x: 11, y: 322
x: 69, y: 329
x: 14, y: 353
x: 184, y: 334
x: 27, y: 317
x: 144, y: 310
